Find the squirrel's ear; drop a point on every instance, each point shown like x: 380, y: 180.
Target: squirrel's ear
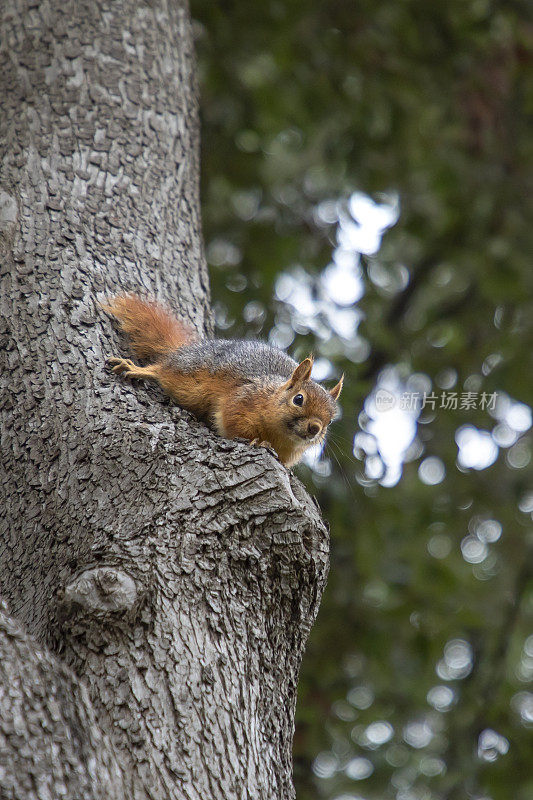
x: 301, y: 373
x: 335, y: 392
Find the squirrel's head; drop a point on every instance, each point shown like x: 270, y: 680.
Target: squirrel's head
x: 307, y: 407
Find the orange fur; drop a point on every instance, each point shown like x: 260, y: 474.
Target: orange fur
x: 154, y: 331
x: 242, y: 414
x: 253, y: 420
x: 200, y: 392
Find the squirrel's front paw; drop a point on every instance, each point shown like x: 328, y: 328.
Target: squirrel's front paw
x: 124, y: 365
x: 267, y: 445
x: 257, y: 443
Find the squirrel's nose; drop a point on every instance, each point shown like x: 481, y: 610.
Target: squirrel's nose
x: 314, y: 428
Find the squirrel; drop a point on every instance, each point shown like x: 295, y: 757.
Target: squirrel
x: 245, y: 389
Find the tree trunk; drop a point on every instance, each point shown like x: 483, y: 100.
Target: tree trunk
x: 175, y: 572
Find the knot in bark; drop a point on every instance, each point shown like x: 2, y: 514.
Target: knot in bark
x: 102, y: 590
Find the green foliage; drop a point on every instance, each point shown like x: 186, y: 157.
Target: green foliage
x: 302, y: 105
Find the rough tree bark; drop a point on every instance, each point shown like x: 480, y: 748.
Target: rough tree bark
x: 164, y: 580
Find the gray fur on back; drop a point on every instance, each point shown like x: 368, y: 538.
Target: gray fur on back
x: 239, y: 357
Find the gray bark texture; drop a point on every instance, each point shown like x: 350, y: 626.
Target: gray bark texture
x: 163, y: 580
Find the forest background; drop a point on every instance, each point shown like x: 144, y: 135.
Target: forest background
x: 366, y: 173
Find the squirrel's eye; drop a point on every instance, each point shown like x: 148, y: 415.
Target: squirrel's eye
x: 298, y: 399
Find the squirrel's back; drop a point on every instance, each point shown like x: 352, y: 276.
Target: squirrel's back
x: 241, y: 358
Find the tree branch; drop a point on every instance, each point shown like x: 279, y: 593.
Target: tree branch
x: 50, y: 741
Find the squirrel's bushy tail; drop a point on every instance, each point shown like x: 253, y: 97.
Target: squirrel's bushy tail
x: 154, y: 331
